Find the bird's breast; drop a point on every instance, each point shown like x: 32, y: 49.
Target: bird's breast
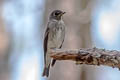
x: 57, y: 34
x: 57, y: 31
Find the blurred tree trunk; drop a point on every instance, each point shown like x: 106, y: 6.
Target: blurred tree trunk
x: 23, y: 22
x: 78, y: 35
x: 84, y: 21
x: 4, y: 72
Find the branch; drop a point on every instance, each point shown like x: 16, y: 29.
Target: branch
x: 92, y: 56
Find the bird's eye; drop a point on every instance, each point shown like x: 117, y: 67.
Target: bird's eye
x: 57, y: 13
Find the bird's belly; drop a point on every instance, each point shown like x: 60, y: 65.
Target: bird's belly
x: 57, y: 38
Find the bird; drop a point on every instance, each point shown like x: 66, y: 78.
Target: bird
x: 53, y: 38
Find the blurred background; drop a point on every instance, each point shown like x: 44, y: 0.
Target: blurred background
x: 89, y: 23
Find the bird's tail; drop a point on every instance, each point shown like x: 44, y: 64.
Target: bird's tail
x: 53, y: 62
x: 46, y: 71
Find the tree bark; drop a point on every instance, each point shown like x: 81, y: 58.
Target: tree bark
x: 93, y: 56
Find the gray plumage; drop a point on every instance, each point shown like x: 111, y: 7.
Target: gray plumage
x: 54, y: 37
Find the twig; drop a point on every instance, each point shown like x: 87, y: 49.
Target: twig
x: 93, y: 56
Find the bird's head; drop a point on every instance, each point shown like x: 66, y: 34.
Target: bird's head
x: 57, y: 14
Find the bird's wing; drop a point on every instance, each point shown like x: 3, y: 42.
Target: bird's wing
x: 45, y: 42
x: 63, y: 35
x: 61, y: 44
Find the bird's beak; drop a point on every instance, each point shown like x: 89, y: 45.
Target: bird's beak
x: 62, y: 14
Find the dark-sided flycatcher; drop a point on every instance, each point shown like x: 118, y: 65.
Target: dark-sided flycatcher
x: 53, y: 38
